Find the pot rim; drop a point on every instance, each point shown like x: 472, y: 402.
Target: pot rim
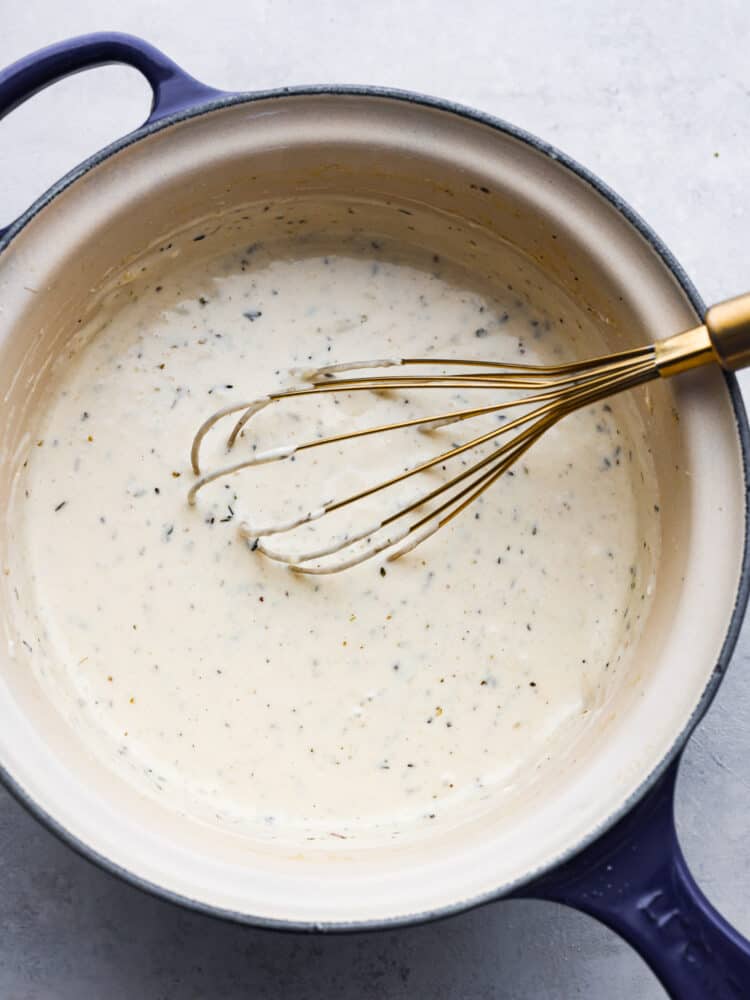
x: 514, y: 886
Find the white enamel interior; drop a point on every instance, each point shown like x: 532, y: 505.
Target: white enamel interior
x: 376, y: 148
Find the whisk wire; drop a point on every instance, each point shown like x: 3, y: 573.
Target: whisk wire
x: 320, y: 381
x: 564, y: 388
x: 557, y: 389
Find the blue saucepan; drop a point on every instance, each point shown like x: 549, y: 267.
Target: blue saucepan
x: 603, y: 840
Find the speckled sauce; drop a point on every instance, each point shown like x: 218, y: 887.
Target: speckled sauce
x: 389, y: 700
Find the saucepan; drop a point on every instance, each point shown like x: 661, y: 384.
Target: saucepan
x: 602, y: 837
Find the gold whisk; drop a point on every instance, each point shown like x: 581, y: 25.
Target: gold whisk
x: 547, y: 394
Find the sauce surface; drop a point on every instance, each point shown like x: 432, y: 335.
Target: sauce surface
x: 385, y: 701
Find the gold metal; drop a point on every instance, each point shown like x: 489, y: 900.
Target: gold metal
x: 728, y: 325
x: 545, y: 396
x: 683, y: 351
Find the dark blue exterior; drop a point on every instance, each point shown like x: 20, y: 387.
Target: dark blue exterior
x: 631, y: 874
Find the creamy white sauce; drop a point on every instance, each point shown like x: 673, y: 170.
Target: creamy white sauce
x: 388, y: 700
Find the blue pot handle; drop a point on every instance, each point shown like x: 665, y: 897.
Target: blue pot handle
x: 173, y: 89
x: 635, y: 879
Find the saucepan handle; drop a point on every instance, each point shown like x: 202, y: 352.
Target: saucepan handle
x: 173, y: 89
x: 635, y: 879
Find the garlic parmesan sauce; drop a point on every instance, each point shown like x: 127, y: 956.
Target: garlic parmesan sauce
x: 384, y: 702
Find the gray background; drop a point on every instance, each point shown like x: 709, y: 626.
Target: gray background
x: 656, y: 99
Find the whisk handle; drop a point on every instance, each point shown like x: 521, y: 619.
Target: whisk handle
x: 728, y: 325
x: 724, y: 337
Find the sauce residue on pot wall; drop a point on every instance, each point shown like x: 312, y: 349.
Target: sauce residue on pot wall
x: 388, y: 701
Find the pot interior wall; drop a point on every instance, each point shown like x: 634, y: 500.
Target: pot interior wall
x: 499, y: 209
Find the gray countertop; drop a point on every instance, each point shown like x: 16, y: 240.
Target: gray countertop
x: 655, y: 98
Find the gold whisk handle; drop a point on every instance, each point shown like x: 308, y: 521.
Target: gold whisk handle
x: 728, y: 325
x: 724, y: 338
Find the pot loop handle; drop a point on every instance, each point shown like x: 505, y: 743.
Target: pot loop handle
x: 172, y: 88
x: 635, y: 879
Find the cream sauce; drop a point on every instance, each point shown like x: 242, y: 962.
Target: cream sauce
x: 388, y: 700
